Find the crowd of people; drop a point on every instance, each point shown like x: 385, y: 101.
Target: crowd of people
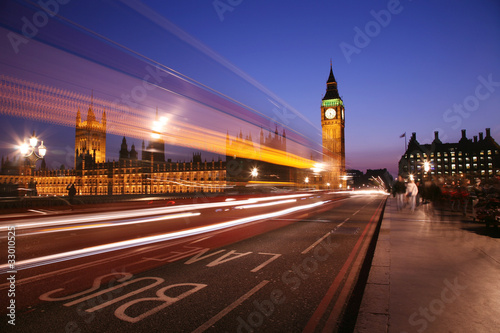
x: 461, y: 196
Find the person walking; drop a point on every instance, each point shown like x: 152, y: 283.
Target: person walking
x: 399, y: 190
x: 71, y: 192
x: 411, y: 193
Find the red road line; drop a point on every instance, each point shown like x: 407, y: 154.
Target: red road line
x: 321, y: 309
x: 344, y: 293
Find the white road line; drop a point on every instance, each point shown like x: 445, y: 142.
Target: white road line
x: 324, y: 236
x: 201, y: 239
x: 274, y: 257
x: 315, y: 243
x: 230, y: 308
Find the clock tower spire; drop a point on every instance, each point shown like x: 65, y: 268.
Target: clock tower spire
x: 332, y: 125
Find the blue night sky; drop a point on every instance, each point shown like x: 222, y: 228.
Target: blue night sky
x: 401, y: 66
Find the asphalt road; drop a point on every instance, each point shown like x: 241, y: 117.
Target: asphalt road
x: 272, y: 272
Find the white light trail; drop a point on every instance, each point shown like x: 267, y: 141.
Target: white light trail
x: 266, y: 204
x: 52, y: 221
x: 94, y: 250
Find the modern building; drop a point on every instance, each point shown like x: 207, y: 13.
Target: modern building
x: 468, y: 158
x: 332, y: 124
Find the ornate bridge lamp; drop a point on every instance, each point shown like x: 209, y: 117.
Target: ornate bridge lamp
x: 32, y: 152
x: 29, y: 150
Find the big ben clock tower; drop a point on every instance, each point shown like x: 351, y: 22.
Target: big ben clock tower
x: 332, y: 124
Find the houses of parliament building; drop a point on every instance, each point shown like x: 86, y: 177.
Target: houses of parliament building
x: 149, y: 173
x: 143, y: 171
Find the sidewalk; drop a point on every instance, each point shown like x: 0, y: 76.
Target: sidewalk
x: 432, y: 272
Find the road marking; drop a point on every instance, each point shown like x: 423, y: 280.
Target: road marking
x: 230, y: 308
x: 201, y: 239
x: 161, y: 297
x: 156, y: 282
x: 315, y: 243
x: 322, y: 238
x: 274, y: 257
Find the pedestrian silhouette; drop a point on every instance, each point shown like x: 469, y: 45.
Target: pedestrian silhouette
x: 71, y: 192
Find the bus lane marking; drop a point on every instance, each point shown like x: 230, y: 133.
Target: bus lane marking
x: 161, y: 297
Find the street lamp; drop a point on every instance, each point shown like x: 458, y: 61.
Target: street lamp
x: 32, y: 154
x: 427, y: 166
x: 254, y: 173
x: 29, y: 150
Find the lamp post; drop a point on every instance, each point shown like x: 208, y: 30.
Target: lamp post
x: 32, y: 152
x: 29, y: 150
x: 254, y: 173
x: 427, y: 168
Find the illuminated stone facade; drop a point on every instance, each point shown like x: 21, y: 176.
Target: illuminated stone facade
x: 93, y: 176
x: 90, y: 136
x: 332, y: 124
x: 469, y: 158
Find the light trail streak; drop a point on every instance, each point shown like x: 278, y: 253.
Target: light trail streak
x: 58, y: 106
x: 266, y: 204
x: 165, y: 24
x: 105, y: 248
x: 46, y: 222
x: 125, y: 222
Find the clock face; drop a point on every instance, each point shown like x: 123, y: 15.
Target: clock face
x: 330, y: 113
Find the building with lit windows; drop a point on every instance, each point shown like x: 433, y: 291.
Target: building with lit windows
x: 151, y: 174
x: 474, y: 158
